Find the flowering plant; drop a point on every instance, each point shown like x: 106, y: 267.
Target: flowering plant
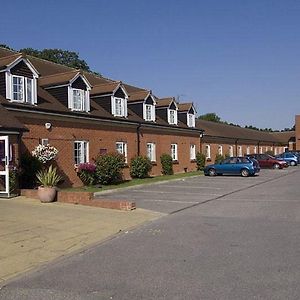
x: 86, y: 172
x: 45, y: 153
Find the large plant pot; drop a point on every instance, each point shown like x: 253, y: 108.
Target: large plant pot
x: 46, y: 194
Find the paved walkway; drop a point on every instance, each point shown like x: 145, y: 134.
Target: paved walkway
x: 32, y: 233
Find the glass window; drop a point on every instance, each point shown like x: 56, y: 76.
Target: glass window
x: 18, y: 88
x: 220, y: 150
x: 172, y: 116
x: 230, y: 151
x: 121, y: 147
x: 174, y: 151
x: 191, y: 120
x: 207, y: 151
x: 148, y: 110
x: 151, y: 151
x: 80, y: 152
x: 118, y: 107
x: 193, y: 152
x: 29, y: 94
x: 240, y: 151
x: 78, y: 99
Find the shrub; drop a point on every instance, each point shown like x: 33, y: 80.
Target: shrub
x: 219, y: 158
x: 109, y: 168
x: 30, y: 165
x: 13, y: 178
x: 45, y: 153
x: 140, y: 166
x: 166, y: 164
x: 200, y: 160
x: 86, y: 173
x: 48, y: 177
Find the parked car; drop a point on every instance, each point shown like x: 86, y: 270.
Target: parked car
x: 244, y: 166
x: 297, y: 153
x: 289, y: 157
x: 268, y: 161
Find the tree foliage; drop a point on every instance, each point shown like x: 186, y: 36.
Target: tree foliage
x: 213, y: 117
x: 64, y: 57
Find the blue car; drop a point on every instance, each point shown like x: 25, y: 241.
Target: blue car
x: 290, y: 158
x: 243, y: 166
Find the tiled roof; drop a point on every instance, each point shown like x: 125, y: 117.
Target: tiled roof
x: 8, y: 121
x: 55, y: 79
x: 214, y: 129
x: 104, y: 88
x: 285, y: 136
x: 185, y: 106
x: 7, y: 60
x: 138, y: 95
x: 164, y: 101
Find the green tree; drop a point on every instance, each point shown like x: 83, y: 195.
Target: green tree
x: 5, y: 46
x: 64, y: 57
x: 213, y: 117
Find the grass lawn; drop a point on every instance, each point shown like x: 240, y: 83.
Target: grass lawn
x: 134, y: 182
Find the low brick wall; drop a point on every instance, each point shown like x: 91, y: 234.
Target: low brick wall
x: 84, y: 198
x: 29, y: 193
x: 87, y: 198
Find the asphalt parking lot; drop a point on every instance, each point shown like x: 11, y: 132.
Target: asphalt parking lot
x: 173, y: 196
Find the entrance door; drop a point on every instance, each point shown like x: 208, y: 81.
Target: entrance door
x: 4, y: 166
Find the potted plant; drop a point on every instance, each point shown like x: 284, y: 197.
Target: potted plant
x: 48, y: 179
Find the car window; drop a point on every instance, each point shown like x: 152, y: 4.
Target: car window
x: 244, y: 160
x: 227, y: 161
x: 233, y: 160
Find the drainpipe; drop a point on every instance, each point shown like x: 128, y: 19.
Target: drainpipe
x: 201, y: 137
x: 236, y: 145
x: 138, y: 131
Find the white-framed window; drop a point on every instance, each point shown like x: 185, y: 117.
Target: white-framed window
x: 190, y: 120
x: 174, y: 152
x: 149, y: 112
x: 79, y: 100
x: 151, y: 151
x: 207, y: 152
x: 119, y: 107
x: 220, y: 150
x: 248, y: 150
x: 275, y: 150
x: 81, y: 152
x: 260, y: 150
x: 240, y: 151
x: 172, y: 116
x: 255, y: 150
x: 121, y: 147
x: 44, y: 142
x: 267, y: 148
x: 192, y: 152
x: 22, y: 89
x: 230, y: 151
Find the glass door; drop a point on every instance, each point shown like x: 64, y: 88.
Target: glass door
x: 4, y: 166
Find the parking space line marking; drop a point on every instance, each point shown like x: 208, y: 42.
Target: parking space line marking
x: 174, y: 201
x: 172, y: 192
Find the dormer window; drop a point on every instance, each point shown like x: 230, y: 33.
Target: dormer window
x: 119, y: 107
x: 172, y: 116
x: 190, y: 120
x: 20, y: 79
x: 149, y: 112
x: 22, y: 89
x: 78, y: 99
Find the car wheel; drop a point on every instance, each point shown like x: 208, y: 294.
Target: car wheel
x: 245, y: 173
x: 276, y: 166
x: 212, y: 172
x: 293, y: 163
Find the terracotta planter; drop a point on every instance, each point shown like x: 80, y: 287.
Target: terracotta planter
x: 46, y: 194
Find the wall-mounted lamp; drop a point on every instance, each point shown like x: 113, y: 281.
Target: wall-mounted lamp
x: 48, y: 125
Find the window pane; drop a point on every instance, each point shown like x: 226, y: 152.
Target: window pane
x: 18, y: 93
x: 77, y: 99
x: 29, y: 90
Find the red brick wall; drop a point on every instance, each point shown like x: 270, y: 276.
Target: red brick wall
x: 297, y: 121
x: 225, y: 149
x: 104, y: 136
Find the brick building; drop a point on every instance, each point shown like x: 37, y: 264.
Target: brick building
x: 84, y: 115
